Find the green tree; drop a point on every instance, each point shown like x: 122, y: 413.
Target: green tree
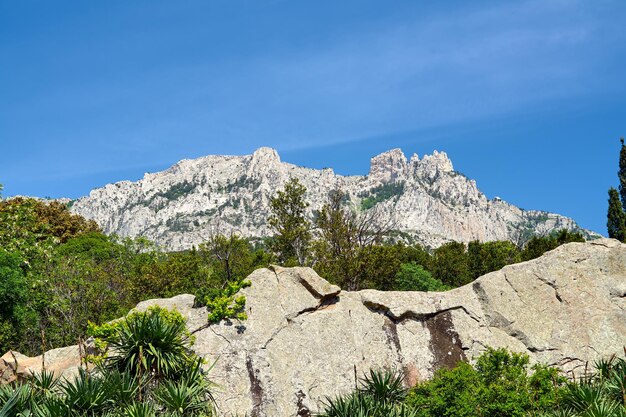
x: 498, y: 254
x: 450, y: 264
x: 13, y: 297
x: 413, y: 277
x: 336, y: 249
x: 231, y: 257
x: 348, y: 248
x: 622, y: 173
x: 616, y: 218
x: 288, y: 220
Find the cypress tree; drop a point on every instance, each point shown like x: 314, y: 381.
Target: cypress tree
x: 622, y: 173
x: 616, y: 219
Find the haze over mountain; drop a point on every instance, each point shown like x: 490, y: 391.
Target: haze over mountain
x: 423, y: 199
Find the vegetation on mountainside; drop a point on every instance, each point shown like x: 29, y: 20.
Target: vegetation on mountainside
x: 499, y: 384
x: 616, y: 214
x: 151, y: 372
x: 381, y: 193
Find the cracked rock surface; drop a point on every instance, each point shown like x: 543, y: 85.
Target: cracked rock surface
x: 305, y: 339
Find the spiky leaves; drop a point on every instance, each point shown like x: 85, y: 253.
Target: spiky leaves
x: 149, y: 345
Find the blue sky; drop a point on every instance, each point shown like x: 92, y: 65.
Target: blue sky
x: 527, y: 97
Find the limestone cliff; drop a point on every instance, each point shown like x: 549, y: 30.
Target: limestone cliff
x: 425, y: 199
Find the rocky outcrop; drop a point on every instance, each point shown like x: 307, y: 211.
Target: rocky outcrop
x: 63, y: 361
x: 305, y: 339
x: 423, y: 198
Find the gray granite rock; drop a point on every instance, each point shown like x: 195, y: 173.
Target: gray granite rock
x: 305, y: 339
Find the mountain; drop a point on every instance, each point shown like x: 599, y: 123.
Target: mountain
x: 425, y: 199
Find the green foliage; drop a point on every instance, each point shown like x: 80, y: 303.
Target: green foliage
x: 621, y: 174
x: 31, y: 226
x: 231, y: 258
x: 225, y: 304
x: 616, y: 218
x: 154, y: 376
x: 381, y: 193
x: 498, y: 385
x: 490, y: 256
x: 413, y: 277
x: 154, y: 343
x: 450, y: 264
x: 177, y: 190
x: 381, y: 394
x: 537, y: 246
x: 13, y: 296
x: 602, y: 394
x: 288, y: 220
x: 111, y: 330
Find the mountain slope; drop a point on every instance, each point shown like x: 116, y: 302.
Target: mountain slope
x: 425, y: 200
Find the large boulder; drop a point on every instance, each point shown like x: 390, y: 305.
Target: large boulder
x: 305, y: 339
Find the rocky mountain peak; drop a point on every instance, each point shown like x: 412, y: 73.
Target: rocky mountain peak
x: 262, y: 160
x: 388, y: 166
x: 430, y: 166
x: 423, y: 198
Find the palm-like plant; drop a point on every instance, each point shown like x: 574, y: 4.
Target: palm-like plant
x: 87, y: 395
x: 151, y: 373
x: 149, y: 345
x: 602, y: 394
x: 182, y: 398
x: 123, y: 387
x: 139, y: 410
x: 380, y: 395
x: 384, y: 386
x: 44, y: 383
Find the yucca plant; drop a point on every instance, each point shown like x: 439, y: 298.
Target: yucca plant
x: 51, y: 406
x: 87, y: 395
x: 123, y: 387
x: 19, y: 402
x: 601, y: 394
x: 139, y: 410
x: 149, y: 345
x: 380, y: 395
x: 44, y: 383
x: 182, y: 398
x: 384, y: 386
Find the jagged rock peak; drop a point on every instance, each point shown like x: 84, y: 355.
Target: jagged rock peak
x: 176, y: 207
x: 430, y: 166
x: 388, y: 166
x: 438, y: 160
x: 262, y: 159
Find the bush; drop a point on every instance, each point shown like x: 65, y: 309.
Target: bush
x: 413, y: 277
x: 498, y: 385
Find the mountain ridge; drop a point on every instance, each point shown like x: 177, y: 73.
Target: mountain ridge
x: 424, y: 198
